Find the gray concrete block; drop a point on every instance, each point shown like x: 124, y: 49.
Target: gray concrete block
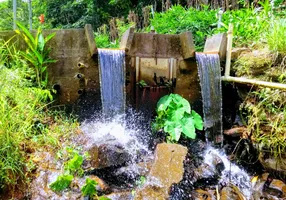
x: 217, y: 44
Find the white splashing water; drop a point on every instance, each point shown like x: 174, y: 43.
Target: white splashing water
x: 125, y: 133
x: 231, y: 173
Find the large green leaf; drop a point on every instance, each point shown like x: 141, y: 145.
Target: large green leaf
x: 50, y: 36
x: 180, y: 101
x: 62, y: 182
x: 41, y: 42
x: 188, y: 127
x: 27, y: 33
x: 163, y: 103
x: 174, y: 129
x: 198, y: 122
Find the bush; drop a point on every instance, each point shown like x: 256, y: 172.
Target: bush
x: 25, y: 121
x: 178, y: 19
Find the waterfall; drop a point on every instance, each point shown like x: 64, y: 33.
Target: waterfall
x: 112, y: 79
x: 210, y: 81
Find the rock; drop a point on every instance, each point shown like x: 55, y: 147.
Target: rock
x: 107, y: 153
x: 166, y: 170
x: 204, y: 195
x: 236, y: 52
x: 231, y: 193
x: 135, y: 169
x: 270, y: 163
x: 102, y: 186
x: 120, y: 196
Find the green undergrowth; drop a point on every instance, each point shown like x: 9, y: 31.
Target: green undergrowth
x: 102, y: 38
x: 253, y: 27
x: 26, y: 122
x: 262, y: 64
x: 265, y: 111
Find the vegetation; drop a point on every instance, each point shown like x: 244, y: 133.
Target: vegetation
x: 89, y: 188
x: 176, y: 117
x: 265, y: 112
x: 71, y: 167
x: 37, y: 53
x: 26, y: 123
x: 178, y: 19
x: 62, y: 182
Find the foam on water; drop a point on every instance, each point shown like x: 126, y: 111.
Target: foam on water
x: 126, y: 132
x: 231, y: 173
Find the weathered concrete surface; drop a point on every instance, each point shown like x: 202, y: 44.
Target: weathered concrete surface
x: 170, y: 57
x: 216, y: 44
x: 69, y: 47
x: 168, y: 168
x: 187, y: 45
x: 155, y: 46
x: 126, y: 40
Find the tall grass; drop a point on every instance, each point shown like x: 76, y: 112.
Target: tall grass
x: 26, y: 123
x: 276, y: 37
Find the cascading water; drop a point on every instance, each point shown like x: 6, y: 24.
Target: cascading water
x: 112, y: 78
x: 210, y: 81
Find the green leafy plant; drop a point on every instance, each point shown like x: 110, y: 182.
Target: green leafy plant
x: 176, y: 117
x: 89, y: 189
x: 142, y: 84
x: 73, y: 165
x: 37, y: 53
x: 62, y: 182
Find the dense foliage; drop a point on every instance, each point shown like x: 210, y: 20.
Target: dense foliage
x: 175, y: 117
x: 25, y: 121
x: 178, y: 19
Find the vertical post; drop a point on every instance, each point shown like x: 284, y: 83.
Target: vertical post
x: 14, y: 14
x: 228, y: 50
x: 30, y: 13
x: 220, y: 12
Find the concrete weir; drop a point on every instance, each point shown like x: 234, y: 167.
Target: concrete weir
x: 157, y: 58
x: 154, y: 58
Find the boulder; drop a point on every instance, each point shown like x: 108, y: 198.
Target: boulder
x: 107, y: 153
x: 273, y: 164
x: 167, y: 169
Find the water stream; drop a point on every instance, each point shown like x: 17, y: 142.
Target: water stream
x: 210, y: 74
x: 112, y: 78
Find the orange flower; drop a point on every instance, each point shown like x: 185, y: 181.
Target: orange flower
x: 42, y: 18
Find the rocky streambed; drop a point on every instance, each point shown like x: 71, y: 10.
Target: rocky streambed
x: 127, y: 162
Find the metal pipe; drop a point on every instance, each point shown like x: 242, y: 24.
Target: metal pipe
x: 220, y: 12
x: 14, y: 14
x: 254, y: 82
x: 228, y: 50
x: 30, y: 13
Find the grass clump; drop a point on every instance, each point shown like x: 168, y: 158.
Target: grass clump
x: 276, y: 36
x: 266, y: 119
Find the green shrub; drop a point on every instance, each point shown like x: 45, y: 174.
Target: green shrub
x: 176, y: 117
x: 249, y: 26
x: 37, y: 54
x: 178, y: 19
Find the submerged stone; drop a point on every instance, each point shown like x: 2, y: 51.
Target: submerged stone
x: 167, y: 169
